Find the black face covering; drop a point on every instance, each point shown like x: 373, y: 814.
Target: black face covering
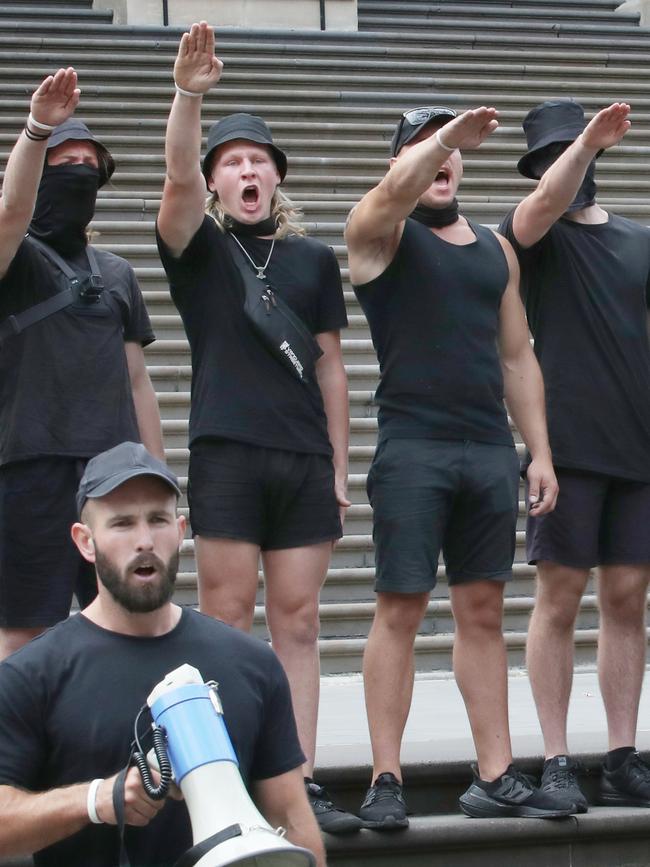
x: 586, y: 195
x: 544, y: 159
x: 65, y: 205
x: 436, y: 218
x: 264, y: 227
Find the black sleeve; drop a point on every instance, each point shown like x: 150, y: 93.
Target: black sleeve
x: 26, y: 282
x: 22, y: 737
x: 527, y: 256
x: 138, y: 328
x: 183, y: 271
x: 278, y: 748
x: 331, y: 314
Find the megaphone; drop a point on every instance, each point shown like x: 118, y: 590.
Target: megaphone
x: 227, y: 828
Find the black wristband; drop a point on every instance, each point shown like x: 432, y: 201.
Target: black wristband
x: 32, y: 136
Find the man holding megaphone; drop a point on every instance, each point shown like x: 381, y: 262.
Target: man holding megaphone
x: 69, y: 699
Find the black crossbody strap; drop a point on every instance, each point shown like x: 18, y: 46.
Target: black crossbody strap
x: 194, y: 855
x: 14, y: 324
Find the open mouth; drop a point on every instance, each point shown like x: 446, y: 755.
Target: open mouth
x: 144, y: 571
x: 250, y: 195
x: 442, y: 176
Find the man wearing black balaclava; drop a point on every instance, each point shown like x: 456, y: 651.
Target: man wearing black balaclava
x: 73, y: 381
x: 441, y: 296
x: 585, y: 281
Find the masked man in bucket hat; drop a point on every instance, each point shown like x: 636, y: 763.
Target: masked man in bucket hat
x: 586, y: 285
x: 441, y: 296
x: 73, y: 381
x: 268, y: 452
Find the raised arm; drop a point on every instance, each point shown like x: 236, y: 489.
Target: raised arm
x: 559, y: 184
x: 53, y: 102
x: 375, y: 225
x: 524, y: 390
x: 196, y: 70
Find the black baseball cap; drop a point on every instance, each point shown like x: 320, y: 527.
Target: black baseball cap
x: 553, y: 122
x: 108, y: 470
x: 246, y: 126
x: 73, y: 128
x: 415, y: 119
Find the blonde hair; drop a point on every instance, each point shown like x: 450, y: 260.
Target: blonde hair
x: 287, y: 215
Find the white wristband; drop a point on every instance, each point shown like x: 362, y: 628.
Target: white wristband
x: 38, y: 125
x: 187, y: 92
x: 90, y: 802
x: 442, y: 144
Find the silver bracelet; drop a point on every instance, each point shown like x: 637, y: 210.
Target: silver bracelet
x: 187, y: 92
x: 38, y: 125
x: 91, y: 798
x: 442, y: 144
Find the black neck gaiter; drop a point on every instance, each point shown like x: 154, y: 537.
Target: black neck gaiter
x: 264, y: 227
x: 586, y: 195
x: 65, y: 205
x: 436, y: 218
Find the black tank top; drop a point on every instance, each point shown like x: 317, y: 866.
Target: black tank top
x: 434, y: 317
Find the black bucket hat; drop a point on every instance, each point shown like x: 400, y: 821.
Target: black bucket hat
x: 555, y: 121
x: 77, y: 129
x: 246, y: 126
x: 415, y: 119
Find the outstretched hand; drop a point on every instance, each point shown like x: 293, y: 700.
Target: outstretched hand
x: 56, y: 98
x: 607, y: 127
x: 196, y: 68
x: 470, y: 128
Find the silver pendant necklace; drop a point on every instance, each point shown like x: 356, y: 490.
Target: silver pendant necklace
x: 261, y: 269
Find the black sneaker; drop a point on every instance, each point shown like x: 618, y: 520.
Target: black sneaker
x: 384, y: 807
x: 330, y: 818
x: 512, y: 794
x: 627, y: 786
x: 559, y: 780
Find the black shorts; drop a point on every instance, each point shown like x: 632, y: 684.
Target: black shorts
x: 598, y: 520
x: 277, y: 499
x: 430, y: 495
x: 40, y: 566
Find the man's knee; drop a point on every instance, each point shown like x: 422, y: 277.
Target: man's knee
x: 622, y: 594
x: 478, y: 605
x: 400, y: 613
x: 559, y: 593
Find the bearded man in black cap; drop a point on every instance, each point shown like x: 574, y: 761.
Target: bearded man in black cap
x: 268, y: 448
x: 586, y: 284
x: 72, y: 375
x: 441, y: 296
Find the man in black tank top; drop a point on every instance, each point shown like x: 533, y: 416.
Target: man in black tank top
x: 586, y: 284
x: 441, y: 295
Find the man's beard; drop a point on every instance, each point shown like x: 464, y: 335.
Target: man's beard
x: 138, y: 597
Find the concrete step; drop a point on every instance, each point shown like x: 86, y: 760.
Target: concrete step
x: 370, y: 10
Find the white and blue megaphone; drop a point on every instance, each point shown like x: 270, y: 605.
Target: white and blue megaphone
x: 226, y: 826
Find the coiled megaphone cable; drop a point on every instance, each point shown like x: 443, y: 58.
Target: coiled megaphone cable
x: 159, y: 739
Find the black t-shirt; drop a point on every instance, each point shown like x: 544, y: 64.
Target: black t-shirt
x: 68, y: 703
x: 239, y: 390
x: 64, y: 383
x: 587, y: 292
x: 434, y: 319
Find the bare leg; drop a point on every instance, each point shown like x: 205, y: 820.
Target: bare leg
x: 481, y: 671
x: 227, y: 579
x: 12, y: 639
x: 294, y: 578
x: 622, y: 642
x: 388, y: 673
x: 549, y: 650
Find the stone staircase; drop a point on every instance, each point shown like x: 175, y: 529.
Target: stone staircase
x: 332, y: 100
